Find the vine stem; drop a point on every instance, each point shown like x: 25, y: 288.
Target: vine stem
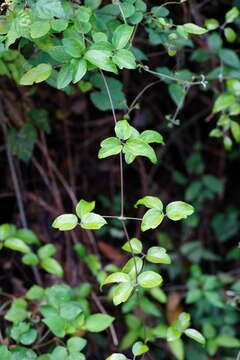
x: 120, y: 155
x: 121, y: 218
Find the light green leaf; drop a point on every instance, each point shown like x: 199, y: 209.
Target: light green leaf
x: 110, y: 146
x: 132, y: 266
x: 70, y: 310
x: 194, y: 29
x: 230, y: 58
x: 195, y: 335
x: 178, y: 210
x: 73, y: 47
x: 18, y: 311
x: 227, y: 341
x: 183, y: 321
x: 35, y: 293
x: 75, y: 344
x: 151, y: 202
x: 28, y: 236
x: 149, y: 279
x: 151, y: 219
x: 123, y: 129
x: 98, y: 322
x: 52, y: 266
x: 79, y: 69
x: 211, y: 24
x: 46, y: 251
x: 65, y: 222
x: 36, y: 75
x: 39, y: 29
x: 232, y: 15
x: 158, y: 255
x: 133, y: 246
x: 177, y: 348
x: 139, y: 348
x: 121, y: 293
x: 223, y: 101
x: 92, y: 221
x: 235, y: 129
x: 84, y: 207
x: 116, y: 277
x: 173, y: 334
x: 116, y: 356
x: 138, y: 147
x: 124, y: 59
x: 16, y: 244
x: 151, y: 136
x: 230, y: 34
x: 101, y: 59
x: 56, y: 324
x: 59, y: 25
x: 122, y: 35
x: 46, y: 9
x: 64, y: 76
x: 30, y: 259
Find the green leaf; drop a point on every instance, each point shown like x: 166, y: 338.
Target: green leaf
x: 59, y: 54
x: 59, y: 25
x: 92, y: 221
x: 151, y: 202
x: 183, y: 321
x: 194, y: 29
x: 83, y: 14
x: 235, y: 129
x: 64, y: 76
x: 98, y: 322
x: 79, y: 69
x: 35, y: 293
x: 232, y: 15
x: 149, y: 279
x: 84, y: 207
x: 16, y: 244
x: 178, y: 210
x: 138, y: 147
x: 70, y: 310
x: 110, y: 146
x: 230, y: 34
x: 230, y: 58
x: 158, y: 255
x: 211, y: 24
x: 101, y: 59
x: 28, y: 236
x: 73, y: 47
x: 122, y: 292
x: 7, y: 230
x: 46, y: 9
x: 124, y: 59
x: 36, y: 75
x: 151, y: 136
x: 195, y: 335
x: 122, y: 35
x: 223, y: 101
x: 177, y: 348
x: 29, y: 337
x: 6, y: 355
x: 123, y: 129
x: 115, y: 356
x: 116, y: 277
x: 52, y: 266
x: 46, y: 251
x: 18, y: 311
x: 151, y: 219
x: 228, y: 341
x: 173, y: 334
x: 133, y: 265
x: 139, y: 348
x: 56, y: 324
x: 22, y: 143
x: 177, y: 94
x: 75, y: 344
x: 39, y: 29
x: 133, y: 246
x: 65, y: 222
x: 30, y: 259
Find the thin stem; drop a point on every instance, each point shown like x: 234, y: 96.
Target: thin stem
x: 121, y: 218
x: 122, y: 13
x: 131, y: 107
x: 109, y: 96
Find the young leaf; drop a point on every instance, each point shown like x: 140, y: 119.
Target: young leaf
x: 173, y: 334
x: 65, y: 222
x: 122, y: 35
x: 158, y: 255
x: 84, y: 207
x: 121, y: 293
x: 17, y: 245
x: 79, y: 69
x: 52, y: 266
x: 64, y: 76
x: 231, y: 15
x: 223, y: 101
x: 138, y: 147
x: 235, y: 129
x: 75, y: 344
x: 139, y: 348
x: 56, y: 324
x: 92, y: 221
x: 30, y: 259
x: 194, y: 29
x: 116, y: 356
x: 98, y: 322
x: 149, y: 279
x: 195, y: 335
x: 151, y: 202
x: 116, y: 277
x: 151, y: 136
x: 101, y: 59
x: 133, y: 246
x: 110, y: 146
x: 132, y: 266
x: 124, y: 59
x: 123, y: 129
x: 178, y: 210
x: 151, y: 219
x: 46, y: 251
x: 36, y: 75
